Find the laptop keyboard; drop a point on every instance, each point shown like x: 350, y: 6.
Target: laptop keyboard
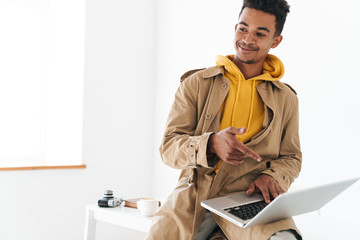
x: 247, y: 211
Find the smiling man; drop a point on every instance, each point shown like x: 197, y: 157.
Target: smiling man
x: 233, y: 128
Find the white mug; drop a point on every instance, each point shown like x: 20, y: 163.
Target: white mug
x: 148, y: 207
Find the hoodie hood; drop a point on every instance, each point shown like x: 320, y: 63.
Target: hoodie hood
x: 273, y: 68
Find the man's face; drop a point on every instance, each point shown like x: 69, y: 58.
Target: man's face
x: 254, y: 36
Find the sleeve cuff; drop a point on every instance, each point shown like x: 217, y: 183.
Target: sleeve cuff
x: 198, y: 155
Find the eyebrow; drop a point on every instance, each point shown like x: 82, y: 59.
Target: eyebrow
x: 259, y: 28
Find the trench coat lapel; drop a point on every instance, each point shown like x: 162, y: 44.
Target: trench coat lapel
x: 216, y: 99
x: 266, y: 93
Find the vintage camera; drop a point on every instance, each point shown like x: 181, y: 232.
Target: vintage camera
x: 109, y: 200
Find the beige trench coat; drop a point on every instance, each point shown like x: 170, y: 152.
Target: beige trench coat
x: 195, y: 114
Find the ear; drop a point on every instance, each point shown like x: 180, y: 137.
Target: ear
x: 277, y: 41
x: 236, y: 26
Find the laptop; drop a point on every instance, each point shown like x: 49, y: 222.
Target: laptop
x: 247, y: 211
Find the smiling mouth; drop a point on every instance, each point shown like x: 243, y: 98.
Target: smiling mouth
x: 245, y: 48
x: 248, y: 49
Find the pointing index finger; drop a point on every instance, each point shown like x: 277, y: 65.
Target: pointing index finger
x: 249, y: 152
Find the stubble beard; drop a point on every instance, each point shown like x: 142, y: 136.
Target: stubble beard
x: 242, y: 45
x: 251, y: 61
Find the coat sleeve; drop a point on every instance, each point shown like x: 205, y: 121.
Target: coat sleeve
x: 288, y: 165
x: 179, y: 147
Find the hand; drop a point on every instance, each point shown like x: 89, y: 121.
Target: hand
x: 267, y: 185
x: 226, y: 145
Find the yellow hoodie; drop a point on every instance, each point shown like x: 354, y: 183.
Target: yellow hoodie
x: 243, y: 106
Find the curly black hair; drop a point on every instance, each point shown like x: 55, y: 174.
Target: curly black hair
x: 279, y: 8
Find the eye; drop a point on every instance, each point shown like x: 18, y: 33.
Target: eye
x: 242, y: 29
x: 260, y: 34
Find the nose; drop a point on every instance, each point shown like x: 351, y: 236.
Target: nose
x: 248, y: 39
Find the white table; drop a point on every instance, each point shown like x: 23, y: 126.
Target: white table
x: 311, y: 225
x: 121, y: 216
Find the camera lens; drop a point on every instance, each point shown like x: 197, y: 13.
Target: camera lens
x: 108, y: 193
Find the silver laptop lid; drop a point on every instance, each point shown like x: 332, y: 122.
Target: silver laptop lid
x: 286, y: 205
x: 301, y: 201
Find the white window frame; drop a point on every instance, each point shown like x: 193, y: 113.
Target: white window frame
x: 57, y: 138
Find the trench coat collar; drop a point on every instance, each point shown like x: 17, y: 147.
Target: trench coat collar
x: 217, y: 70
x: 207, y: 72
x: 278, y: 84
x: 213, y: 71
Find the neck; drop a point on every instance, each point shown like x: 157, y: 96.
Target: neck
x: 249, y: 70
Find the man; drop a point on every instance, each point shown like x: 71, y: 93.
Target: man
x: 233, y: 128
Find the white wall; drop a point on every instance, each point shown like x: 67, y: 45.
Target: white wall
x: 123, y: 43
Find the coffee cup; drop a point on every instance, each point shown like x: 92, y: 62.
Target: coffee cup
x: 148, y: 207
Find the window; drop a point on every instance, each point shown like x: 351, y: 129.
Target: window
x: 41, y: 82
